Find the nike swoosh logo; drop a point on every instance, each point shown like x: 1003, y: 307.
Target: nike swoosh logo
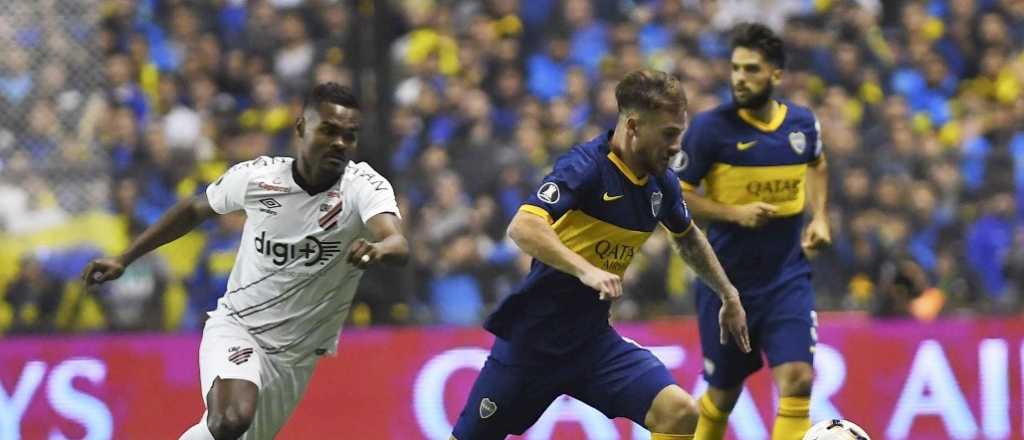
x: 609, y: 198
x: 744, y: 145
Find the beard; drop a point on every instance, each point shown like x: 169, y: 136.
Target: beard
x: 757, y: 100
x: 656, y: 166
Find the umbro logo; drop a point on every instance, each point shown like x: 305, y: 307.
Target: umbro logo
x: 239, y: 356
x: 270, y: 204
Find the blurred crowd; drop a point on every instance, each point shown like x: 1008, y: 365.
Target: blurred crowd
x: 111, y: 111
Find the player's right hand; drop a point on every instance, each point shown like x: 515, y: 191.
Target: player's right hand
x: 732, y: 321
x: 101, y: 270
x: 607, y: 284
x: 753, y: 214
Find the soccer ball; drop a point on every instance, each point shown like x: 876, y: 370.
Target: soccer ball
x: 836, y: 429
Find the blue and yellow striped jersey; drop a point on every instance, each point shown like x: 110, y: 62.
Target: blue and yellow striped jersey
x: 603, y: 212
x: 742, y: 160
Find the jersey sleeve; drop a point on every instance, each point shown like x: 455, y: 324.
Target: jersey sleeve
x: 374, y: 194
x: 563, y: 188
x: 697, y: 153
x: 674, y: 215
x: 819, y: 150
x: 227, y: 194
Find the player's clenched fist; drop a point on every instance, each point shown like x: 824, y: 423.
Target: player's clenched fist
x: 101, y: 270
x: 607, y: 285
x: 362, y: 253
x: 815, y: 236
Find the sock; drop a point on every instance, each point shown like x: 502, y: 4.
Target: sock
x: 657, y: 436
x: 794, y: 418
x: 713, y: 421
x: 198, y: 432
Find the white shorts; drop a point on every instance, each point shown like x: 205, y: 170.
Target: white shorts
x: 228, y: 351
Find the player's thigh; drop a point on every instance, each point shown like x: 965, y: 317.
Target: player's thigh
x: 284, y: 384
x: 726, y: 366
x: 624, y: 382
x: 227, y: 352
x: 505, y: 399
x: 789, y: 332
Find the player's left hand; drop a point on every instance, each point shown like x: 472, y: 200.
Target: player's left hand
x: 732, y: 322
x: 362, y: 253
x: 816, y: 236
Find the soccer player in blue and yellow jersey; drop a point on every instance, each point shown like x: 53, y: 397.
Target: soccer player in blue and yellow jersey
x: 760, y: 162
x: 583, y: 226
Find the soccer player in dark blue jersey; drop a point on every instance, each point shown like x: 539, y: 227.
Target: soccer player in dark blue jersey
x: 583, y: 226
x: 760, y: 161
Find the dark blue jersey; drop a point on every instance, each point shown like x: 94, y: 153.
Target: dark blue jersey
x: 742, y: 160
x: 603, y: 212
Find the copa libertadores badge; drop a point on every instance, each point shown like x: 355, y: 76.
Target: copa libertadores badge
x: 548, y: 193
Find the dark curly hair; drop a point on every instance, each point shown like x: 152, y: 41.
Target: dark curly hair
x: 331, y: 92
x: 761, y: 38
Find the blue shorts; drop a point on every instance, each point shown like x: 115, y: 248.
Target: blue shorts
x: 614, y: 375
x: 782, y: 324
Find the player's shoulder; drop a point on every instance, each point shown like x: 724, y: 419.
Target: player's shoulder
x: 713, y: 119
x: 362, y: 174
x: 263, y: 162
x: 797, y: 113
x: 668, y: 180
x: 361, y: 170
x: 718, y: 114
x: 581, y: 158
x: 261, y: 165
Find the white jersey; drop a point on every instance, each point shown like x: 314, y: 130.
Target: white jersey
x: 291, y: 286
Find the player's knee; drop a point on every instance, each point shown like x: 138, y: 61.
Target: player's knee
x: 232, y: 422
x: 796, y: 380
x: 686, y: 410
x: 674, y: 413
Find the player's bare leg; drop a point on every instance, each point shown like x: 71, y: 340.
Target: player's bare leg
x: 715, y: 406
x: 673, y: 414
x: 794, y: 380
x: 231, y: 405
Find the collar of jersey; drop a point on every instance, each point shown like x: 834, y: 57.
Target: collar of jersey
x: 770, y: 126
x: 625, y: 169
x: 306, y: 186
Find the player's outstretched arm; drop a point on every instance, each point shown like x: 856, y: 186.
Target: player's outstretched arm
x: 390, y: 246
x: 817, y: 235
x: 534, y: 235
x: 750, y: 215
x: 177, y: 221
x: 700, y: 256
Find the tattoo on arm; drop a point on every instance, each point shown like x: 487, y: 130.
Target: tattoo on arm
x: 698, y: 254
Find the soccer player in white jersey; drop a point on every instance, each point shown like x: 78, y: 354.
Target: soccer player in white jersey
x: 291, y: 285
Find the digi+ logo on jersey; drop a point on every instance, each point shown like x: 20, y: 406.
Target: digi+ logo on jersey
x: 614, y: 256
x: 775, y: 191
x: 310, y: 249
